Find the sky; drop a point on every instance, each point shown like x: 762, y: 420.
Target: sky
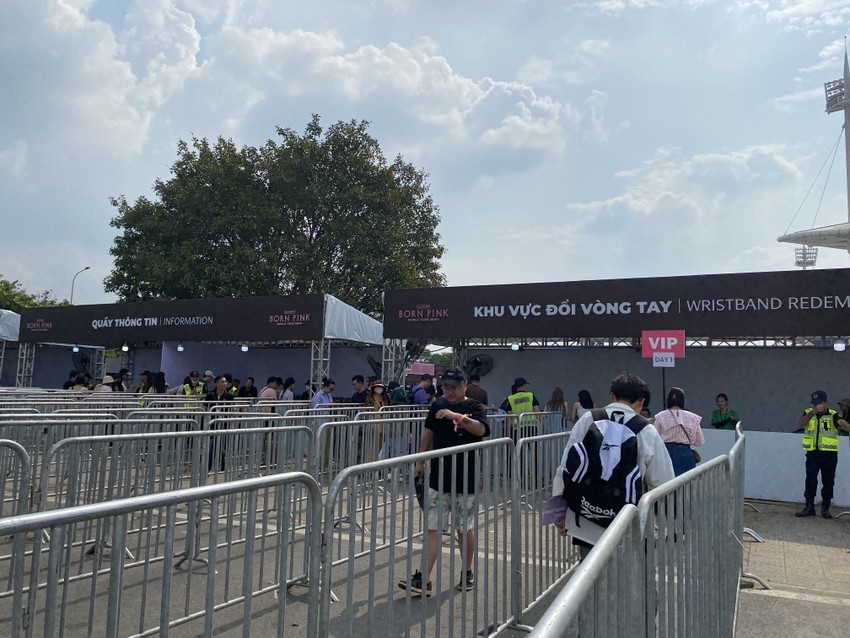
x: 589, y: 139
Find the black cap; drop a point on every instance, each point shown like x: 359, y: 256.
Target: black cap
x: 147, y: 373
x: 520, y: 381
x: 818, y: 396
x: 452, y: 376
x: 194, y: 373
x: 123, y: 371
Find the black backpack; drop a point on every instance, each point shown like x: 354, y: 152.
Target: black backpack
x: 602, y: 473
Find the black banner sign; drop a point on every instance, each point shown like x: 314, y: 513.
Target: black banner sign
x: 797, y: 303
x: 298, y: 317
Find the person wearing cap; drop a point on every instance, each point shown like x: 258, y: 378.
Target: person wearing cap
x: 107, y: 384
x: 521, y: 401
x: 194, y: 385
x: 453, y: 419
x: 377, y: 395
x: 820, y: 426
x: 145, y: 379
x: 209, y: 380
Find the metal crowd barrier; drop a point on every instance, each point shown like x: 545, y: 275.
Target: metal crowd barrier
x: 395, y: 544
x: 16, y: 473
x: 605, y: 594
x: 683, y: 563
x: 340, y: 444
x: 545, y: 557
x: 82, y: 470
x: 37, y: 432
x: 64, y: 591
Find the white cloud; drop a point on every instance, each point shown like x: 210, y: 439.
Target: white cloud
x: 13, y: 160
x: 579, y: 66
x: 76, y: 86
x: 616, y: 7
x: 807, y: 16
x: 793, y: 101
x: 679, y: 214
x: 830, y: 58
x: 162, y: 44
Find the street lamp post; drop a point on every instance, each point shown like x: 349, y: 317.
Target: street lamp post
x: 74, y: 281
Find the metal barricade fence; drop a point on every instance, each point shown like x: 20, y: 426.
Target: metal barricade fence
x: 692, y: 558
x: 605, y: 595
x: 85, y: 470
x: 546, y: 557
x: 526, y: 424
x: 395, y: 544
x: 687, y: 526
x: 501, y: 425
x: 36, y: 433
x: 340, y: 444
x: 16, y: 472
x: 15, y: 411
x: 16, y: 485
x: 110, y: 594
x: 331, y: 411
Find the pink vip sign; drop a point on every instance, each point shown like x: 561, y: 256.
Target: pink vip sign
x: 672, y: 341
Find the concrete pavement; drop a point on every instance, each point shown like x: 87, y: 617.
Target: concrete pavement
x: 806, y: 563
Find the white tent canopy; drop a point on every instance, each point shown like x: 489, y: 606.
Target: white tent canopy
x: 10, y: 325
x: 349, y: 324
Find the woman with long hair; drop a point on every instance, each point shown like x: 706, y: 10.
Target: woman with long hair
x: 557, y: 405
x: 158, y: 385
x: 680, y: 430
x: 288, y: 393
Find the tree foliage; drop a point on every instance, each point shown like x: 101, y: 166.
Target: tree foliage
x: 312, y: 213
x: 13, y: 297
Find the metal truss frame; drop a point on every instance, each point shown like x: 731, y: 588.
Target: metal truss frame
x: 320, y: 361
x: 393, y: 360
x: 26, y: 362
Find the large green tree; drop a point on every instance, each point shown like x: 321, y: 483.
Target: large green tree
x: 14, y: 297
x: 312, y: 213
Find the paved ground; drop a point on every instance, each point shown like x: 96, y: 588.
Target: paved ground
x: 806, y: 563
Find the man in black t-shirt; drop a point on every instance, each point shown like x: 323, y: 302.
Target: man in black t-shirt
x: 452, y: 420
x: 360, y: 391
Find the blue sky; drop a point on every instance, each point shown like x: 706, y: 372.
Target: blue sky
x: 580, y: 140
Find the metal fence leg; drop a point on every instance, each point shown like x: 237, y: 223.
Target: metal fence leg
x: 758, y: 579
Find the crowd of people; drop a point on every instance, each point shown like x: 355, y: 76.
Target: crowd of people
x: 652, y: 449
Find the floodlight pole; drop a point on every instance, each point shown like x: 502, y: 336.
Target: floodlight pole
x: 73, y: 281
x: 838, y: 99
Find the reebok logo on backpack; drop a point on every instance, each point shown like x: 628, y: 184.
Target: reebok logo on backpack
x: 602, y: 473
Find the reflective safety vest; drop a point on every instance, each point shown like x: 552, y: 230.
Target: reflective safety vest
x: 521, y: 402
x: 198, y: 389
x: 820, y: 433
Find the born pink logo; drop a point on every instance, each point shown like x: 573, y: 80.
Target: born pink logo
x: 423, y: 312
x: 39, y: 325
x: 290, y: 318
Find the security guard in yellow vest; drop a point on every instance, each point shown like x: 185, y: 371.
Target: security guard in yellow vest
x: 195, y: 386
x: 820, y: 441
x: 521, y: 402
